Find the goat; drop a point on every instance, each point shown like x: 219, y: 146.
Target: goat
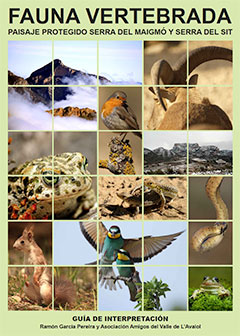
x: 202, y: 114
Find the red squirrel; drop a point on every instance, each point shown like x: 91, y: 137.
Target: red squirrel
x: 39, y: 287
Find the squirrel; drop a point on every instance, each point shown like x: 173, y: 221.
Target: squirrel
x: 39, y: 287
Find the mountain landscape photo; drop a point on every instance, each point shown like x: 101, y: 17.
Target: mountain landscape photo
x: 208, y: 159
x: 30, y: 99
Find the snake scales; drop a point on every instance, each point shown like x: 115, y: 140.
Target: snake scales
x: 209, y: 237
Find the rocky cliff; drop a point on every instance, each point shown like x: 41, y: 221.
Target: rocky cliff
x: 202, y: 159
x: 63, y: 75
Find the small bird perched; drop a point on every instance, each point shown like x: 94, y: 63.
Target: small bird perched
x: 134, y: 283
x: 110, y: 241
x: 117, y: 115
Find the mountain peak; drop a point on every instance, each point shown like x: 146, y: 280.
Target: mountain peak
x: 58, y: 62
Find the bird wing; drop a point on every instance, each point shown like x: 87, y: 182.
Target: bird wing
x: 152, y: 246
x: 134, y: 248
x: 102, y: 235
x: 89, y: 230
x: 127, y: 114
x: 155, y: 245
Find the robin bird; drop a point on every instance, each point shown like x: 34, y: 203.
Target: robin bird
x: 117, y: 115
x: 110, y: 241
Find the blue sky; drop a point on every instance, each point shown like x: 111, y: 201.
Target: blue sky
x: 69, y: 235
x: 174, y: 276
x: 24, y: 57
x: 121, y: 61
x: 79, y: 55
x: 77, y: 250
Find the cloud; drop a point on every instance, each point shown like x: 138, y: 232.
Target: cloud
x: 26, y: 115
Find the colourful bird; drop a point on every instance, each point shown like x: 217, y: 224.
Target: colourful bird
x: 134, y: 283
x: 111, y: 240
x: 117, y: 115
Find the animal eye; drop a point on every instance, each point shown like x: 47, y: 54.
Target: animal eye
x: 48, y: 180
x: 22, y: 242
x: 216, y: 279
x: 84, y: 165
x: 205, y: 278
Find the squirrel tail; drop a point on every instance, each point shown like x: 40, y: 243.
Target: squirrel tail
x: 64, y: 292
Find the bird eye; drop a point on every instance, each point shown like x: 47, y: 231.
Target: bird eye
x: 22, y: 242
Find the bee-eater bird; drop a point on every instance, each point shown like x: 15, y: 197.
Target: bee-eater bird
x: 111, y: 240
x: 134, y: 283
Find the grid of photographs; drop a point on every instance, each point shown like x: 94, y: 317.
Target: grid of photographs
x: 120, y: 175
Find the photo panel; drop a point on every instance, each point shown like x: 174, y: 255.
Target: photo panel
x: 74, y: 195
x: 29, y: 243
x: 25, y: 293
x: 29, y: 152
x: 165, y: 108
x: 30, y: 196
x: 120, y: 197
x: 165, y: 198
x: 78, y: 151
x: 30, y: 62
x: 125, y: 295
x: 120, y: 108
x: 212, y: 63
x: 118, y: 155
x: 210, y: 288
x: 210, y: 198
x: 30, y: 108
x: 210, y: 152
x: 75, y: 108
x: 171, y: 281
x: 165, y: 243
x: 78, y: 250
x: 210, y: 108
x: 164, y: 54
x: 120, y: 62
x: 75, y: 62
x: 210, y: 243
x: 75, y: 288
x: 117, y: 235
x: 165, y: 153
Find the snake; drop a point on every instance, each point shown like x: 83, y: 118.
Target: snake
x: 213, y: 192
x: 209, y: 237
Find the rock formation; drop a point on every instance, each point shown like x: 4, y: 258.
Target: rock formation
x: 62, y: 73
x: 43, y: 76
x: 68, y: 111
x: 202, y: 160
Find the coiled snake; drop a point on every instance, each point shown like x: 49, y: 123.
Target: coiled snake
x: 209, y: 237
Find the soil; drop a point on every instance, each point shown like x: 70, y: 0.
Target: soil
x: 110, y: 204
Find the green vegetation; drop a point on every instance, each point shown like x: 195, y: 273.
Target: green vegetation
x: 210, y: 302
x: 153, y: 290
